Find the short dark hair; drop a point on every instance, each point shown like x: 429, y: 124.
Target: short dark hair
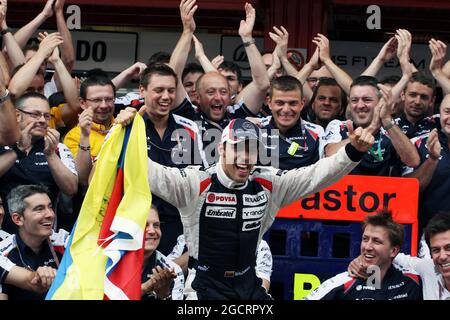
x: 326, y: 81
x: 20, y: 101
x: 33, y: 46
x: 95, y: 80
x: 439, y: 223
x: 191, y: 68
x: 233, y: 67
x: 384, y: 219
x: 363, y: 81
x: 157, y: 68
x: 423, y: 79
x: 392, y: 80
x: 158, y: 57
x: 285, y: 83
x: 16, y: 197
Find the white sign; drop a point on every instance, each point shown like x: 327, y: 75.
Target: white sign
x: 110, y: 51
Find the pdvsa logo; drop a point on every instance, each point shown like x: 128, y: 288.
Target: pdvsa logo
x: 221, y: 198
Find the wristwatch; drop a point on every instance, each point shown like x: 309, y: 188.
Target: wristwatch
x: 5, y: 31
x: 5, y: 96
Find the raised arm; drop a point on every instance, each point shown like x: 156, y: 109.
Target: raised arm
x: 438, y: 52
x: 425, y: 172
x: 9, y: 130
x: 255, y: 92
x: 297, y: 183
x: 26, y: 32
x: 67, y: 50
x: 10, y: 45
x: 181, y: 52
x: 131, y: 73
x: 342, y: 78
x: 386, y: 53
x: 83, y: 160
x: 403, y: 38
x: 22, y: 79
x: 405, y: 149
x: 72, y: 107
x: 201, y: 56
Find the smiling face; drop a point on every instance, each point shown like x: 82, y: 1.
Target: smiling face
x: 189, y: 83
x: 34, y: 111
x: 440, y: 253
x: 101, y: 99
x: 152, y: 232
x: 445, y: 116
x: 376, y: 247
x: 238, y: 159
x: 286, y: 107
x: 327, y: 104
x: 214, y: 95
x: 233, y: 82
x: 363, y: 100
x: 159, y: 95
x: 37, y: 219
x: 418, y: 100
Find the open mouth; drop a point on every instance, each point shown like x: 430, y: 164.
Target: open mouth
x: 368, y: 257
x: 164, y: 105
x: 217, y: 108
x: 47, y: 224
x: 242, y: 169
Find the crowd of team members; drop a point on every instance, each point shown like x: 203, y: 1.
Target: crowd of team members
x: 52, y: 133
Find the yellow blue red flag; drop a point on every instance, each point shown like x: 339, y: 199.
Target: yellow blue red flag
x: 104, y: 256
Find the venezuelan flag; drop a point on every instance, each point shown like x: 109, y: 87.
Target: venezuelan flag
x: 104, y: 256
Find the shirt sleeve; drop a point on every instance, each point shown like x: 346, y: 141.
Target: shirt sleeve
x: 240, y: 110
x: 291, y: 185
x: 330, y: 289
x: 178, y: 249
x: 185, y: 109
x: 264, y: 261
x: 5, y: 267
x: 332, y: 133
x: 67, y: 158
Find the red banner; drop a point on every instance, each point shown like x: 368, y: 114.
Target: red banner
x: 353, y: 197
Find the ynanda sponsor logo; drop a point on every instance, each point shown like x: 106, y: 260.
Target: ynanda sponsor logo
x: 253, y: 213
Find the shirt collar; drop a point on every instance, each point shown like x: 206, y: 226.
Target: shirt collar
x: 102, y: 128
x: 297, y: 130
x: 23, y: 247
x: 171, y: 124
